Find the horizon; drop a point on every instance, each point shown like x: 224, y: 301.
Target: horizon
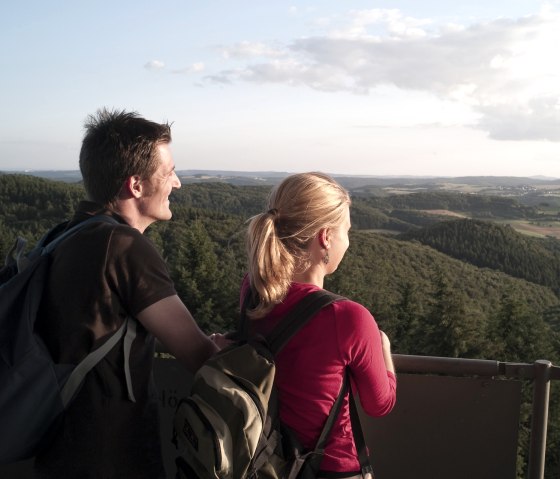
x: 279, y: 173
x: 420, y: 89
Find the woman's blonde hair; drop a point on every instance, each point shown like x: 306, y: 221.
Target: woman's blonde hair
x: 277, y: 240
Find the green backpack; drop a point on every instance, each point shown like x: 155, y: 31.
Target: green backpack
x: 229, y: 426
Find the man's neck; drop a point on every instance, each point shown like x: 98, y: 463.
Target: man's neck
x: 128, y: 210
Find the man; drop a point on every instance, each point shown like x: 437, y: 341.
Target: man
x: 99, y: 277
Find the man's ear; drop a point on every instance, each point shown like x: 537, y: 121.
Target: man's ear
x: 133, y: 186
x: 324, y: 238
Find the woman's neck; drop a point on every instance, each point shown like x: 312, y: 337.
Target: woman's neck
x: 311, y: 276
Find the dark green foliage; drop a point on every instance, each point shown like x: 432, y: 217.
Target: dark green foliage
x: 517, y: 332
x: 481, y: 206
x: 427, y: 302
x: 29, y: 206
x: 491, y: 245
x: 194, y: 267
x: 408, y: 212
x: 367, y: 217
x: 206, y: 263
x: 221, y: 198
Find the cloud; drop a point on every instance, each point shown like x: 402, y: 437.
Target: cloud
x: 198, y: 67
x: 539, y: 119
x: 154, y: 65
x: 223, y: 78
x: 247, y: 49
x: 392, y: 22
x: 505, y: 70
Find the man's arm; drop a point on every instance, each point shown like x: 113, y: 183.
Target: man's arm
x: 173, y: 325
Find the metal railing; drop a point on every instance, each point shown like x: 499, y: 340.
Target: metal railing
x: 541, y: 373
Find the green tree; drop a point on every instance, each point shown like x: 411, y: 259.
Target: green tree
x: 198, y: 277
x: 446, y: 329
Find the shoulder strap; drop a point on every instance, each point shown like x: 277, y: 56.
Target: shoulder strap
x: 300, y: 315
x: 359, y: 440
x: 16, y: 255
x: 90, y: 361
x: 329, y: 423
x: 357, y: 432
x: 242, y: 331
x: 48, y: 248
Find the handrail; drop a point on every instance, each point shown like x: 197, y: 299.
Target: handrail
x: 541, y: 372
x: 440, y: 365
x: 405, y: 363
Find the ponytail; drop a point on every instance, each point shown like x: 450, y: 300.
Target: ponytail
x: 271, y: 266
x: 278, y: 240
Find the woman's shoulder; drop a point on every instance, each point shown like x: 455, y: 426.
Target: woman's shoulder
x: 352, y: 316
x: 348, y: 306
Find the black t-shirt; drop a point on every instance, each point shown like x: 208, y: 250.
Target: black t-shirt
x: 98, y: 277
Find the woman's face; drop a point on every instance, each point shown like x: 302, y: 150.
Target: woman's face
x: 339, y: 242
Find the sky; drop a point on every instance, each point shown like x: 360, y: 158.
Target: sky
x: 401, y: 87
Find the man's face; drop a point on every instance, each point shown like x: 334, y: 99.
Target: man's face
x: 155, y: 200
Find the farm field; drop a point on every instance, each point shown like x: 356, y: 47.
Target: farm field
x: 537, y: 229
x: 540, y: 229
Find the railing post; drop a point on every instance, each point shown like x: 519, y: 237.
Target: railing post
x: 539, y: 419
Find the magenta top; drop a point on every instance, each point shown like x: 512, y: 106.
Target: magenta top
x: 310, y: 370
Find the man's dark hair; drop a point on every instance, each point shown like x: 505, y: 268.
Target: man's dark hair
x: 117, y: 145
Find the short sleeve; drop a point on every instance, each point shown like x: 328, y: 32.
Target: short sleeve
x: 136, y: 270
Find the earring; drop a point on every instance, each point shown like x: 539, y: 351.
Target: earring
x: 326, y: 258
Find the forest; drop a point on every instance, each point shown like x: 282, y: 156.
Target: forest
x: 464, y: 287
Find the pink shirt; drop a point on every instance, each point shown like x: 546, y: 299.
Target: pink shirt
x: 311, y: 367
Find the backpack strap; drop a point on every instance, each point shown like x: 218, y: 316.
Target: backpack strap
x: 128, y: 340
x: 92, y: 359
x: 51, y: 245
x: 329, y: 423
x: 298, y: 317
x: 242, y: 331
x: 15, y: 256
x: 357, y: 432
x: 359, y: 440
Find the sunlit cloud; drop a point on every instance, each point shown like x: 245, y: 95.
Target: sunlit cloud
x: 154, y: 65
x: 198, y: 67
x: 251, y: 50
x: 505, y: 70
x: 365, y: 23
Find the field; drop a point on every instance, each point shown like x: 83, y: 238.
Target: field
x: 533, y: 228
x: 540, y: 229
x: 445, y: 213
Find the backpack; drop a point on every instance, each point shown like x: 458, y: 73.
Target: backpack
x: 35, y: 390
x: 229, y: 426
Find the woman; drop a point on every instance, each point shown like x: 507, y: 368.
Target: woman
x: 300, y: 239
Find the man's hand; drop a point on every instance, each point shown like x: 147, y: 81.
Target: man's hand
x: 220, y: 340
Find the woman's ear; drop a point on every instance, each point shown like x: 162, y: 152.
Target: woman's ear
x: 324, y: 238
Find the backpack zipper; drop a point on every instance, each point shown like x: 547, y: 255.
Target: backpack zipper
x: 196, y: 408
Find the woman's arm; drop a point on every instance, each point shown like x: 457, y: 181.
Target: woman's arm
x: 367, y: 352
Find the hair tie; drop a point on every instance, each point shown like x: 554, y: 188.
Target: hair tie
x: 273, y: 212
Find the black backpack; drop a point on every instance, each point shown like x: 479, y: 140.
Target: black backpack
x: 229, y: 427
x: 34, y: 389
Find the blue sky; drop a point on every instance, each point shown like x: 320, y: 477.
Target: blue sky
x: 356, y: 87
